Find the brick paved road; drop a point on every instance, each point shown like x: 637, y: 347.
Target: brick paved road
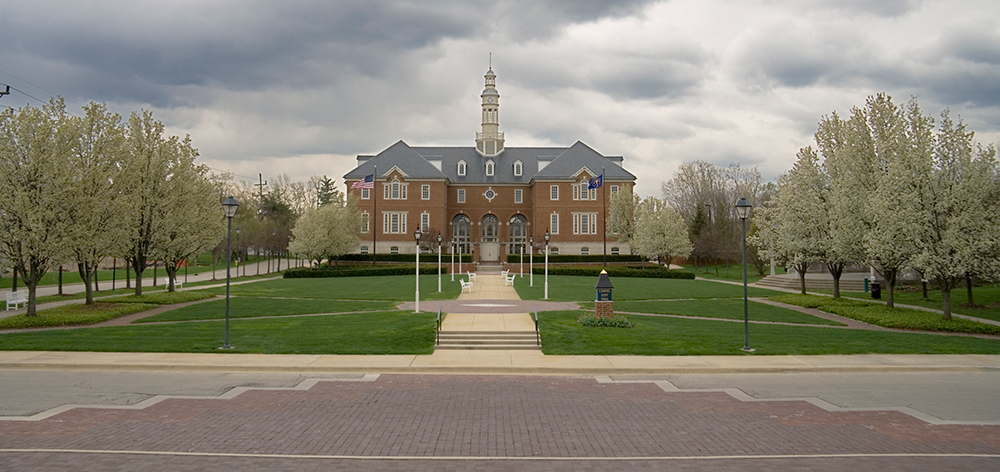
x: 421, y: 422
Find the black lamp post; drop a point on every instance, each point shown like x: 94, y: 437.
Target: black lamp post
x: 229, y: 206
x: 743, y: 210
x: 546, y: 236
x: 416, y: 237
x: 439, y: 238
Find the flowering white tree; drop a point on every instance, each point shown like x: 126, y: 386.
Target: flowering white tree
x: 958, y: 192
x: 660, y: 231
x: 99, y: 209
x: 36, y: 189
x: 621, y: 215
x: 327, y: 231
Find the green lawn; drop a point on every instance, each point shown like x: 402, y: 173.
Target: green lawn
x: 395, y: 287
x: 987, y: 300
x: 728, y: 308
x: 390, y: 332
x: 565, y: 288
x: 252, y: 307
x: 666, y: 336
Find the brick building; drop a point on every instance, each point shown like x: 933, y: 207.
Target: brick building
x: 490, y: 198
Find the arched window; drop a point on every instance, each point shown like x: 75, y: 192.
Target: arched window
x: 489, y: 168
x: 518, y: 228
x: 491, y: 228
x: 460, y: 232
x: 518, y: 168
x: 461, y: 168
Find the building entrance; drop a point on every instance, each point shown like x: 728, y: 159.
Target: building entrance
x: 489, y: 249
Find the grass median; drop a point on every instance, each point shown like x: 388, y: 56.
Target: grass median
x: 727, y: 308
x: 669, y: 336
x: 566, y: 288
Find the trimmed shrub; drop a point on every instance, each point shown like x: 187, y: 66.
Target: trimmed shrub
x: 466, y: 258
x: 358, y: 271
x: 590, y: 271
x: 589, y: 320
x: 566, y: 258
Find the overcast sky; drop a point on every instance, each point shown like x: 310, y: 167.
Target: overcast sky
x: 304, y: 87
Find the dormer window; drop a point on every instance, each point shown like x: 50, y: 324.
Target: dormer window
x: 518, y: 168
x: 461, y: 168
x: 489, y: 168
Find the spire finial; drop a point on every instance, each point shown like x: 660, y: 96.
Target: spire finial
x: 491, y: 60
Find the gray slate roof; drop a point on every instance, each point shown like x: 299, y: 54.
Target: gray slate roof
x: 563, y: 163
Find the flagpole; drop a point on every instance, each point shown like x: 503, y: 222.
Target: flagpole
x: 604, y: 216
x: 374, y: 213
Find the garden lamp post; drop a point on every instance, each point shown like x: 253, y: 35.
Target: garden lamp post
x: 416, y: 294
x: 229, y: 206
x: 743, y: 210
x: 452, y: 259
x: 546, y: 236
x: 531, y: 262
x: 520, y: 267
x: 439, y: 238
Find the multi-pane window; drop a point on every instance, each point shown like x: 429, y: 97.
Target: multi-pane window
x: 585, y: 251
x: 583, y: 192
x: 394, y: 222
x: 518, y: 168
x: 365, y: 193
x: 425, y: 192
x: 614, y: 190
x: 554, y: 223
x: 615, y: 250
x: 364, y: 249
x: 461, y: 168
x: 394, y: 191
x: 584, y: 223
x: 461, y: 195
x: 394, y: 250
x: 553, y: 192
x: 425, y: 221
x: 364, y: 222
x: 518, y: 195
x: 489, y: 168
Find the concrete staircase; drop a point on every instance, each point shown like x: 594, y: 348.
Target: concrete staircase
x: 482, y: 340
x: 791, y: 282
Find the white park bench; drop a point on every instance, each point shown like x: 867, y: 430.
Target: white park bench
x: 471, y: 276
x: 508, y: 279
x: 177, y: 284
x: 16, y: 298
x: 466, y: 285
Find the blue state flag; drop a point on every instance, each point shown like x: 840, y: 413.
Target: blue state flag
x: 596, y: 182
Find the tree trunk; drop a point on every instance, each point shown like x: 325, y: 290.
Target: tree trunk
x: 84, y: 270
x: 836, y: 269
x: 13, y: 281
x: 801, y: 268
x: 946, y: 300
x: 94, y: 271
x: 890, y: 282
x: 968, y: 287
x: 923, y: 284
x: 171, y: 269
x: 139, y: 263
x: 128, y: 274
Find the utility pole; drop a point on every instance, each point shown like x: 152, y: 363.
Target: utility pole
x: 260, y: 188
x: 6, y: 91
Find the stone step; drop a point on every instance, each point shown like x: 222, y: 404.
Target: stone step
x: 483, y: 340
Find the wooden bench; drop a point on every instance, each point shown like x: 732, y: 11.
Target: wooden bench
x: 466, y: 285
x: 19, y: 297
x: 509, y: 280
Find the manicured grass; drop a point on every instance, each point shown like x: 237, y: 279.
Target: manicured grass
x: 367, y: 333
x: 564, y: 288
x: 252, y: 307
x: 880, y: 315
x: 666, y: 336
x: 987, y: 300
x: 732, y: 273
x: 397, y: 287
x: 731, y: 309
x: 68, y: 315
x: 161, y: 298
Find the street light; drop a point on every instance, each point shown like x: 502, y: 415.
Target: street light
x: 416, y: 237
x: 546, y: 236
x: 743, y: 210
x: 439, y: 261
x: 531, y: 262
x: 229, y: 207
x: 452, y: 259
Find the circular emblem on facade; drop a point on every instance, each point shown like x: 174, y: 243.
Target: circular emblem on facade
x: 490, y: 194
x: 490, y: 99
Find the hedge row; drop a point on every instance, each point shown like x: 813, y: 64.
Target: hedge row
x: 466, y: 258
x: 358, y: 271
x: 563, y: 258
x: 650, y: 272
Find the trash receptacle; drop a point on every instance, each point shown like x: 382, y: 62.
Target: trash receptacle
x: 876, y: 291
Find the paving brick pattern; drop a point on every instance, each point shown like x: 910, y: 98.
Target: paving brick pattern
x: 421, y: 422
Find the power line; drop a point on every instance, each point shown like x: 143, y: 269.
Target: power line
x: 37, y: 86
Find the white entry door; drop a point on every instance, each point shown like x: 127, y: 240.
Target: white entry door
x: 489, y: 252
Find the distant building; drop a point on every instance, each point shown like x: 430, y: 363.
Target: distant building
x: 489, y: 198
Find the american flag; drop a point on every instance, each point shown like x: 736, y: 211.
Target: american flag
x: 367, y: 182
